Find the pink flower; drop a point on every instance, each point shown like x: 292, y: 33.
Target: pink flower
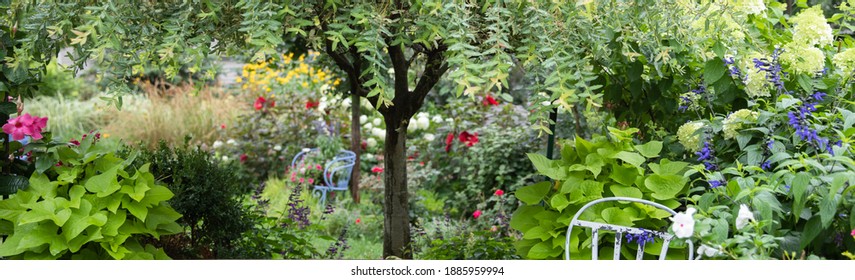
x: 499, y: 192
x: 311, y: 181
x: 302, y: 180
x: 476, y: 214
x: 74, y: 142
x: 25, y: 125
x: 377, y: 169
x: 318, y: 167
x: 852, y: 233
x: 58, y: 163
x: 259, y: 103
x: 223, y: 126
x: 494, y: 229
x: 358, y: 220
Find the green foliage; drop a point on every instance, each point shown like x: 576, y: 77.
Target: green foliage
x: 606, y: 166
x: 208, y: 196
x: 88, y: 204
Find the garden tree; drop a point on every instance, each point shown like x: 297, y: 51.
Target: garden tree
x: 393, y: 52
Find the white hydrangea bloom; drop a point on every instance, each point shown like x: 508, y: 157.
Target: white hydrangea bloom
x: 811, y: 28
x: 437, y: 119
x: 803, y: 59
x: 423, y: 122
x: 277, y: 147
x: 449, y: 120
x: 845, y: 61
x: 686, y: 135
x: 368, y: 126
x: 231, y: 142
x: 379, y: 133
x: 363, y: 119
x: 684, y: 223
x: 751, y: 7
x: 745, y: 215
x: 377, y: 121
x: 217, y: 144
x: 733, y: 123
x: 369, y: 156
x: 412, y: 125
x: 371, y: 142
x: 429, y: 137
x: 225, y: 158
x: 345, y: 103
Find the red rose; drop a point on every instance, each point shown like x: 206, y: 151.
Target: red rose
x: 243, y: 158
x: 489, y: 101
x: 468, y: 139
x: 377, y: 169
x: 448, y: 141
x: 499, y: 192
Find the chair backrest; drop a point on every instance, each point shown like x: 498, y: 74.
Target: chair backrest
x: 620, y: 230
x: 338, y: 170
x: 301, y: 156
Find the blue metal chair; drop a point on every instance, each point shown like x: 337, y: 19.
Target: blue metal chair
x: 336, y: 171
x: 620, y: 231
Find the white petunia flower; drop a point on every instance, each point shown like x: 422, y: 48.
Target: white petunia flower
x: 217, y: 144
x: 429, y: 137
x: 708, y: 251
x: 371, y: 142
x: 745, y: 215
x: 684, y: 223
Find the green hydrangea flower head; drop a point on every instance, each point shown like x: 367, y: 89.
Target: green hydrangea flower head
x: 811, y: 28
x: 733, y: 123
x: 845, y: 61
x: 803, y: 59
x: 686, y: 135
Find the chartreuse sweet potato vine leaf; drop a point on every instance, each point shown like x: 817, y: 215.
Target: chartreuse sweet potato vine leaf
x: 589, y: 170
x: 80, y: 210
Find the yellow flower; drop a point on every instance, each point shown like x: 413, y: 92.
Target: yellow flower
x: 239, y: 80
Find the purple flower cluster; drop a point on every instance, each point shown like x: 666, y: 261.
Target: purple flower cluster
x: 705, y: 155
x: 339, y: 246
x: 772, y: 69
x: 799, y: 121
x: 734, y: 71
x: 297, y: 211
x: 686, y: 100
x: 717, y: 183
x: 641, y: 238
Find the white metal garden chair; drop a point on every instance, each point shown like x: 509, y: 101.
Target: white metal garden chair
x: 620, y: 230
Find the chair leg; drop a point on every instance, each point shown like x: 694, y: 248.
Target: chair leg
x: 323, y: 197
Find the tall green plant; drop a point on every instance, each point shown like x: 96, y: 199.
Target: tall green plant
x: 606, y: 166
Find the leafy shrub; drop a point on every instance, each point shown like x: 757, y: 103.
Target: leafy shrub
x: 468, y: 174
x: 447, y: 240
x: 207, y: 194
x: 86, y: 203
x: 606, y: 166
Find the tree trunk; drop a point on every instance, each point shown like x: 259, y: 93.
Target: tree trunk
x: 396, y: 225
x: 355, y: 143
